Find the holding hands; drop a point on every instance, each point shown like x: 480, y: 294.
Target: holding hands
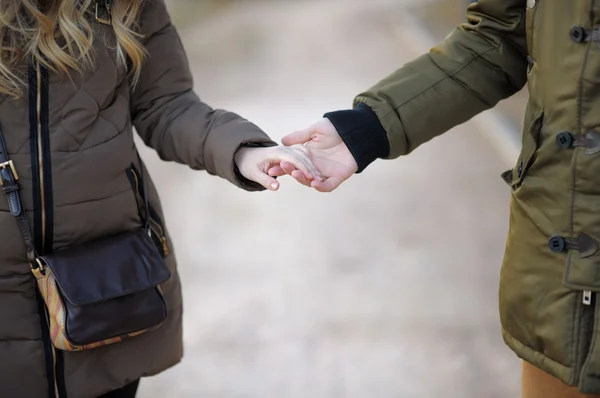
x: 255, y: 163
x: 327, y: 151
x: 316, y: 157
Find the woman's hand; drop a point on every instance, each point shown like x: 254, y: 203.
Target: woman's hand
x: 328, y: 152
x: 254, y: 163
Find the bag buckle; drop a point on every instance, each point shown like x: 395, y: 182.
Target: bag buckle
x: 8, y: 166
x: 38, y: 268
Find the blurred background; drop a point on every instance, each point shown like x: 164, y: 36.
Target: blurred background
x: 385, y: 288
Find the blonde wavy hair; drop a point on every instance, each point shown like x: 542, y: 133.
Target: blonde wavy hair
x: 59, y: 34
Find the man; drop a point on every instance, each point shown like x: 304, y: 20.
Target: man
x: 551, y: 268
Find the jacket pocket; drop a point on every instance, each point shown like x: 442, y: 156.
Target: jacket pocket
x: 582, y: 270
x: 515, y: 176
x: 157, y: 227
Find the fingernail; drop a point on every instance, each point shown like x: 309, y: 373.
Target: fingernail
x: 274, y: 185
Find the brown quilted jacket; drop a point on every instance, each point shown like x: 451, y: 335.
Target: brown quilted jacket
x: 73, y: 146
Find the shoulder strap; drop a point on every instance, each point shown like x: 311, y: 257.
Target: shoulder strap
x: 9, y: 181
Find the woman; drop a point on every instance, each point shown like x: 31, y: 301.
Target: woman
x: 75, y: 78
x: 551, y: 272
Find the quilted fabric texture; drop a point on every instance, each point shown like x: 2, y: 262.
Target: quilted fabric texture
x: 89, y: 120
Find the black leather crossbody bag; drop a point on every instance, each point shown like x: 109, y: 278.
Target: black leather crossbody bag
x: 98, y: 293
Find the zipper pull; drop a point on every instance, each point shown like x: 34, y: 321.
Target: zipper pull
x: 106, y: 5
x: 587, y: 297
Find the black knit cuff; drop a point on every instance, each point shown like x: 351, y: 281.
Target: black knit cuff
x: 362, y: 133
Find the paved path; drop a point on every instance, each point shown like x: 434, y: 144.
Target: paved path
x: 386, y: 288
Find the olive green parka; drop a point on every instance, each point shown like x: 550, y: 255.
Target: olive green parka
x: 551, y: 271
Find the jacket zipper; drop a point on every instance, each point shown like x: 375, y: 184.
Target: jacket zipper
x: 41, y: 202
x: 586, y: 328
x: 40, y: 155
x: 155, y: 226
x: 587, y: 297
x: 588, y: 300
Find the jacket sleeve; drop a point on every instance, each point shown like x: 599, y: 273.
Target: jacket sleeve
x: 169, y: 116
x: 480, y: 63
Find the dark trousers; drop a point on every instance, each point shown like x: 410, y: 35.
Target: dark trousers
x: 128, y: 391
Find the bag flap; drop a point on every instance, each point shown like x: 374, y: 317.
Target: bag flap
x: 108, y: 268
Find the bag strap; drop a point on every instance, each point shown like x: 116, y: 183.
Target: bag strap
x: 9, y: 181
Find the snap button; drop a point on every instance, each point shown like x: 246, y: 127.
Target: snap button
x: 577, y: 34
x: 556, y: 244
x: 530, y: 3
x: 564, y: 140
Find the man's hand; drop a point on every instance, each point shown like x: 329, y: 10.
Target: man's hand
x: 328, y: 153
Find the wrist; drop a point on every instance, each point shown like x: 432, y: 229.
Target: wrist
x: 239, y: 160
x: 362, y: 133
x: 240, y: 154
